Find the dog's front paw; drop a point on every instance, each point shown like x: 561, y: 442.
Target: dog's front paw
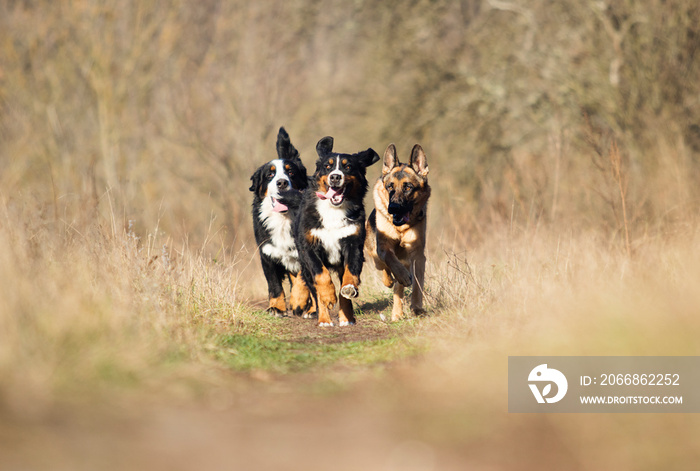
x: 419, y: 311
x: 404, y: 277
x: 325, y: 324
x: 346, y: 323
x: 276, y: 312
x: 349, y: 291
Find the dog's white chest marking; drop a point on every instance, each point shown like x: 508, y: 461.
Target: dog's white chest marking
x: 334, y: 227
x: 281, y: 246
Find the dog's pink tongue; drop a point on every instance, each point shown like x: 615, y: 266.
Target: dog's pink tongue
x: 278, y: 207
x: 328, y: 195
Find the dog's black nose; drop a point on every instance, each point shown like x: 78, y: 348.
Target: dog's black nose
x: 394, y: 208
x: 335, y: 179
x: 282, y: 184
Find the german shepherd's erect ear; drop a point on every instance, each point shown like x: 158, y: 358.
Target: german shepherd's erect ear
x: 390, y: 159
x: 419, y: 161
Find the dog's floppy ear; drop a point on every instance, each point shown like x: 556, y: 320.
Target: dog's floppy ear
x: 285, y: 149
x: 419, y: 161
x: 324, y: 146
x: 390, y: 159
x: 256, y: 179
x: 368, y: 157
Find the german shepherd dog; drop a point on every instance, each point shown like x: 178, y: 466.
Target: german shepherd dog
x: 396, y: 228
x: 329, y: 229
x: 272, y: 222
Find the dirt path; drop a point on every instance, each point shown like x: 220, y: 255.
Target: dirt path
x: 369, y: 325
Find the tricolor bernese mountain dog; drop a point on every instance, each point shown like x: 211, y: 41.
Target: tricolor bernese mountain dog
x: 329, y: 229
x: 272, y: 222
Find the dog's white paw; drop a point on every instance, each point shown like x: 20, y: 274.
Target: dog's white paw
x: 325, y: 324
x: 349, y: 291
x: 346, y: 323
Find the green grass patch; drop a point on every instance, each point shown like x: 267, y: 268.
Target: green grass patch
x: 245, y: 352
x: 264, y: 343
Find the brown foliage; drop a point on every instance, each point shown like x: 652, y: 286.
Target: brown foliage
x: 168, y: 107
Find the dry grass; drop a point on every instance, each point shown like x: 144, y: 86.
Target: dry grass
x: 554, y: 294
x: 98, y: 307
x: 564, y: 162
x: 94, y: 316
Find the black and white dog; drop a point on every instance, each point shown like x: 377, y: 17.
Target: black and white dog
x: 329, y: 228
x: 272, y: 222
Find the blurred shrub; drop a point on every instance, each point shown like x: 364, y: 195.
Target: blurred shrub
x: 163, y: 110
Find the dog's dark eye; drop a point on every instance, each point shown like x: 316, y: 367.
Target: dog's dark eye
x: 407, y: 187
x: 390, y: 187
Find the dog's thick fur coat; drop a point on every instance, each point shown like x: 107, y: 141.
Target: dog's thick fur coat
x: 396, y: 229
x: 329, y: 229
x: 272, y: 223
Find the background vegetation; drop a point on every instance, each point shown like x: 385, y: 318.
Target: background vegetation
x: 564, y: 146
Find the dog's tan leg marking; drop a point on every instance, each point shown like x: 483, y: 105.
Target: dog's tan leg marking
x: 350, y: 285
x: 387, y: 279
x: 346, y: 315
x: 299, y: 297
x: 278, y: 304
x: 397, y: 309
x: 325, y: 290
x: 418, y: 285
x: 324, y: 316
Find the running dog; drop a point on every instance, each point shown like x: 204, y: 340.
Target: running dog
x: 396, y: 228
x: 329, y: 229
x: 272, y: 222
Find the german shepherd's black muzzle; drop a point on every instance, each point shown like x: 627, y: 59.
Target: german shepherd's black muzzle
x: 399, y: 210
